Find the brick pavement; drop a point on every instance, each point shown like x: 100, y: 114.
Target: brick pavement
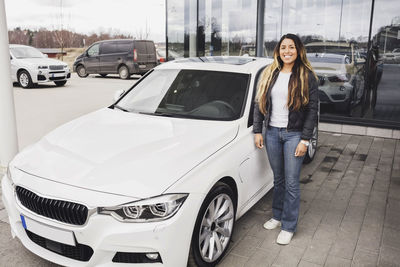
x: 349, y: 214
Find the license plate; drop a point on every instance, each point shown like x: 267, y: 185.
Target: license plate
x: 49, y: 232
x: 142, y: 66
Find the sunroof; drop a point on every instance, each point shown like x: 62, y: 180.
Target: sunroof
x: 221, y: 60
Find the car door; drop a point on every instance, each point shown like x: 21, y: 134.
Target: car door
x: 14, y: 68
x: 141, y: 51
x: 92, y: 60
x: 254, y: 171
x: 151, y: 55
x: 109, y: 58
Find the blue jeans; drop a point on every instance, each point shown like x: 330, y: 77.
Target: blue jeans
x: 281, y: 146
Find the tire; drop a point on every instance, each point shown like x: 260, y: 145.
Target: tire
x: 123, y: 72
x: 205, y: 234
x: 103, y: 75
x: 312, y: 148
x: 81, y: 71
x: 24, y: 79
x: 60, y: 83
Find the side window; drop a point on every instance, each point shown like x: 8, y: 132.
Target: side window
x: 141, y: 47
x: 123, y: 47
x: 253, y: 97
x: 108, y: 48
x: 94, y: 50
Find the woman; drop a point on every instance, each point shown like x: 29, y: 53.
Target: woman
x: 287, y: 103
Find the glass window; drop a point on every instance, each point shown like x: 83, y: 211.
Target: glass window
x: 384, y: 63
x: 94, y: 50
x: 175, y: 28
x: 108, y: 48
x: 123, y: 47
x: 26, y: 52
x: 141, y: 47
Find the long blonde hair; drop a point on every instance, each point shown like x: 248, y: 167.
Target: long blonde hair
x: 298, y: 94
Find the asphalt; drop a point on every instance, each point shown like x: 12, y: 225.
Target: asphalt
x: 349, y: 213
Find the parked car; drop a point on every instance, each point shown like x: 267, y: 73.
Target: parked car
x: 392, y: 57
x: 30, y: 67
x: 124, y: 57
x: 160, y: 176
x: 341, y: 69
x: 161, y: 55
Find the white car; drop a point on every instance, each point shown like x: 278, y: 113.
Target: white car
x: 158, y: 177
x: 29, y: 67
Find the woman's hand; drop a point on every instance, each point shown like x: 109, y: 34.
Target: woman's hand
x: 301, y: 150
x: 259, y: 140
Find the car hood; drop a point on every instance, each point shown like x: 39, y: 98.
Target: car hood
x: 40, y: 61
x: 124, y: 153
x: 328, y: 68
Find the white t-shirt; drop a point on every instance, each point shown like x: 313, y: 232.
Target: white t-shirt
x: 279, y: 94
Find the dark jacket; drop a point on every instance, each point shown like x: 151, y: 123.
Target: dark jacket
x: 302, y: 120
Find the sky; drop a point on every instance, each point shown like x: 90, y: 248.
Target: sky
x: 132, y: 17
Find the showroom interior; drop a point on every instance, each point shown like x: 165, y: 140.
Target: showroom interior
x: 353, y: 46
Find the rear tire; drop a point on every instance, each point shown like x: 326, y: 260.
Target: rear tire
x: 123, y: 72
x: 214, y: 227
x: 312, y: 148
x: 60, y: 83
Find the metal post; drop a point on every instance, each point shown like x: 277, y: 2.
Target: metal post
x: 8, y: 132
x: 260, y: 28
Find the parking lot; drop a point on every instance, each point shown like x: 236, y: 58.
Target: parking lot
x: 350, y: 193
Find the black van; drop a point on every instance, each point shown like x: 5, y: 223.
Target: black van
x: 125, y: 57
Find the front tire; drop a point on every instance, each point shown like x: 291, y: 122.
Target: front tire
x: 81, y: 71
x: 214, y: 227
x: 312, y: 148
x: 24, y: 79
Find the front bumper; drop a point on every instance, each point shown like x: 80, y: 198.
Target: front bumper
x: 332, y: 94
x: 106, y: 236
x: 46, y: 75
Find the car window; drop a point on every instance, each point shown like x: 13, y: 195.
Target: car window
x: 150, y: 47
x: 94, y: 50
x: 141, y: 47
x: 189, y: 94
x: 108, y: 48
x: 123, y: 47
x: 26, y: 52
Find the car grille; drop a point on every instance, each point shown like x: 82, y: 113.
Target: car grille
x: 323, y: 98
x: 79, y: 252
x: 321, y: 80
x: 56, y: 67
x: 63, y: 211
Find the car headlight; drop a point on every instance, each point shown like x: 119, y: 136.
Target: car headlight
x: 42, y: 67
x: 146, y: 210
x: 65, y: 66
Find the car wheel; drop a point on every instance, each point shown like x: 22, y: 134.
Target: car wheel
x: 312, y: 148
x: 103, y: 75
x: 24, y: 79
x: 60, y: 83
x: 81, y: 71
x: 214, y: 226
x: 123, y: 72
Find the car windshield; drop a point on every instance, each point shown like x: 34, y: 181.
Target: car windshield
x: 316, y: 58
x: 26, y: 52
x: 195, y: 94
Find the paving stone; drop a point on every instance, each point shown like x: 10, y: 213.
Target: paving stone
x: 289, y: 256
x: 304, y: 263
x: 333, y: 261
x: 370, y: 239
x: 326, y: 233
x: 247, y: 246
x: 262, y: 258
x: 389, y: 257
x: 374, y: 217
x: 317, y: 252
x: 232, y: 260
x: 302, y: 238
x: 269, y: 242
x: 333, y: 217
x: 391, y: 238
x: 355, y: 213
x: 364, y: 258
x: 392, y: 218
x: 359, y: 199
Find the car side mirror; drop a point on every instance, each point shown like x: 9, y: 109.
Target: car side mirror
x: 118, y: 94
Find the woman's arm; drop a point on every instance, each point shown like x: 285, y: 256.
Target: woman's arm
x: 311, y: 110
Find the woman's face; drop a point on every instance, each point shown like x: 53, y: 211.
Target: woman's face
x: 288, y: 51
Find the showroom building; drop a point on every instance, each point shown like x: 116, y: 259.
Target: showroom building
x: 353, y: 45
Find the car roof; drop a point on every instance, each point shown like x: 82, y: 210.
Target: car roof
x: 342, y: 44
x: 219, y: 63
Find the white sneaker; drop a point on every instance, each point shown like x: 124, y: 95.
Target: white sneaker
x: 284, y: 237
x: 272, y: 224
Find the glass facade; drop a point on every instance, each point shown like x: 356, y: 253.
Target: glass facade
x: 353, y: 45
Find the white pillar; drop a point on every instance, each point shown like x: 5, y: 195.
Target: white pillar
x: 8, y: 128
